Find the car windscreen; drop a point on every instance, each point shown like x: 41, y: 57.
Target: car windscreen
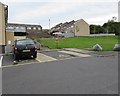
x: 25, y: 42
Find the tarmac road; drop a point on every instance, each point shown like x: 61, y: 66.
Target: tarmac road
x: 88, y: 75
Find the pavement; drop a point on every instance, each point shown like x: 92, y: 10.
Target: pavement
x: 75, y: 54
x: 78, y: 50
x: 93, y: 53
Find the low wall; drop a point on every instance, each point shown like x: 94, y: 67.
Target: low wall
x: 19, y: 37
x: 102, y: 35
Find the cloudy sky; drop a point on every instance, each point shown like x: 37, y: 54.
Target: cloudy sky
x: 40, y: 11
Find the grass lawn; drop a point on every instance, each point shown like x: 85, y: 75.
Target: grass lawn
x: 106, y: 42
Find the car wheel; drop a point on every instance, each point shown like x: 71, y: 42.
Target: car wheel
x: 16, y: 57
x: 35, y: 55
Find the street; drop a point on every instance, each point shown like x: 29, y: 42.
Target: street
x: 59, y: 72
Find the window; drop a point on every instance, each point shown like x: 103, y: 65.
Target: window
x: 39, y: 28
x: 10, y: 27
x: 22, y: 27
x: 72, y: 26
x: 34, y: 28
x: 25, y: 42
x: 29, y: 28
x: 17, y: 27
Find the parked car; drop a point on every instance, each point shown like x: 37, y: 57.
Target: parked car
x: 38, y: 45
x: 24, y: 47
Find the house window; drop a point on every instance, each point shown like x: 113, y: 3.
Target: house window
x: 10, y: 27
x: 72, y: 26
x: 39, y: 28
x: 29, y: 28
x: 34, y: 28
x: 17, y: 27
x: 22, y: 27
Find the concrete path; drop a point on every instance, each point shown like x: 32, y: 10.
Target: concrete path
x: 93, y: 53
x: 78, y: 50
x: 75, y: 54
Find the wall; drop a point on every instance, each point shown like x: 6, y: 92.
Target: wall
x: 69, y: 34
x: 82, y: 28
x: 2, y: 28
x: 19, y: 37
x: 10, y: 37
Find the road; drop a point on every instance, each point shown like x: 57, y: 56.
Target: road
x: 62, y: 74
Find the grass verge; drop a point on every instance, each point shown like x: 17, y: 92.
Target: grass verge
x: 106, y: 42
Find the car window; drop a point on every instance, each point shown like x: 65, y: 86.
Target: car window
x: 24, y: 42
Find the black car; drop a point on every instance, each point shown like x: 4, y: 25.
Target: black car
x: 24, y: 47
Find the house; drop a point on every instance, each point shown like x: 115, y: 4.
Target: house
x: 22, y: 31
x: 12, y: 31
x: 72, y: 28
x: 82, y: 28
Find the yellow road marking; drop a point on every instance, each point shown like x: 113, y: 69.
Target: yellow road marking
x: 38, y: 60
x: 44, y: 58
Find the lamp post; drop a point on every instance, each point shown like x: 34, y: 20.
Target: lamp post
x: 49, y: 25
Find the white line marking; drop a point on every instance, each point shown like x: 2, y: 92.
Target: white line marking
x: 1, y: 59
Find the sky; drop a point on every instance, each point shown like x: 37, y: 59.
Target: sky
x: 43, y: 12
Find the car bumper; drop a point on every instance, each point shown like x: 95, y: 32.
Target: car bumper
x: 25, y: 54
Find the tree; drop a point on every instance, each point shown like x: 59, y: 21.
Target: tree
x: 112, y: 27
x: 96, y: 29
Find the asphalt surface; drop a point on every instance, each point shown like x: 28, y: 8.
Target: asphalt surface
x: 58, y: 55
x: 0, y: 81
x: 89, y: 75
x: 9, y: 60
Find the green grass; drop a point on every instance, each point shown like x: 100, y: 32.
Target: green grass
x: 107, y: 43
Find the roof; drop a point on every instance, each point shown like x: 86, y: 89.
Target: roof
x: 82, y: 21
x: 23, y: 25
